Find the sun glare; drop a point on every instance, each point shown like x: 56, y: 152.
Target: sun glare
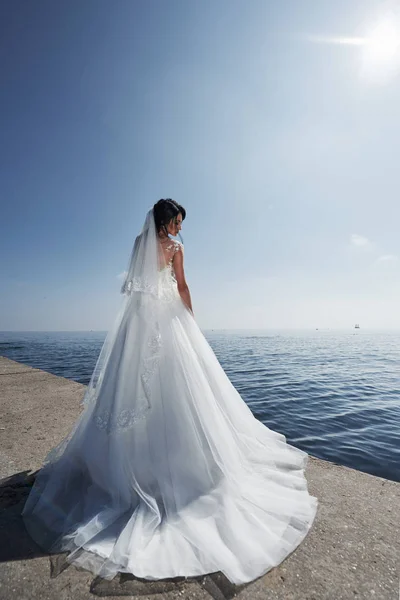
x: 379, y: 56
x: 381, y: 51
x: 384, y: 43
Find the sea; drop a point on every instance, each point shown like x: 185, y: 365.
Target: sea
x: 334, y: 394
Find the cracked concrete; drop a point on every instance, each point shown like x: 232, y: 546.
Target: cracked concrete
x: 351, y: 552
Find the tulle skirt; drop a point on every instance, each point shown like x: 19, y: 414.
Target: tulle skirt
x: 193, y: 485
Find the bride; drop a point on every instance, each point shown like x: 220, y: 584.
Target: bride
x: 166, y: 472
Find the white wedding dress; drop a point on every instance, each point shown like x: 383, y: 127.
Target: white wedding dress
x: 167, y: 472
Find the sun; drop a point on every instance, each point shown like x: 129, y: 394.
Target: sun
x: 383, y: 45
x: 377, y: 49
x: 380, y: 60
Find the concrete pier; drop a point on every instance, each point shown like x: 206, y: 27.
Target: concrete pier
x: 351, y: 552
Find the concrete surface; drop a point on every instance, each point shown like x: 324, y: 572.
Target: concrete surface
x: 352, y: 551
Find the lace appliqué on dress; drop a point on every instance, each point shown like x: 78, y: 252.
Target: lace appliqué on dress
x: 138, y: 284
x: 126, y: 418
x: 174, y: 246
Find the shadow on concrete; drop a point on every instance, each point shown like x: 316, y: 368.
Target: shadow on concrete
x: 216, y: 585
x: 16, y: 544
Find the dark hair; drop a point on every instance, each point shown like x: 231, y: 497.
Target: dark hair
x: 164, y: 211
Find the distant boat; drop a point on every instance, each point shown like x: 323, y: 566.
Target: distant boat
x: 356, y: 326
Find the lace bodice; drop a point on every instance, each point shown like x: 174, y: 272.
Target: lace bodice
x: 167, y: 284
x: 170, y: 249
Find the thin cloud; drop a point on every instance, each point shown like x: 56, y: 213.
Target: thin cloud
x: 360, y: 241
x: 387, y: 259
x: 339, y: 41
x: 122, y: 275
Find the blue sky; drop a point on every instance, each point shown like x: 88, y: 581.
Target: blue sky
x: 276, y: 125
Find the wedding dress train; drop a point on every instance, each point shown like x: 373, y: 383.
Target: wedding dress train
x: 167, y: 472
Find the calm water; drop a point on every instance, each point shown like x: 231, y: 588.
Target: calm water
x: 335, y: 395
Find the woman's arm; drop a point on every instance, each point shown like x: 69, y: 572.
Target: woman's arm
x: 183, y: 287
